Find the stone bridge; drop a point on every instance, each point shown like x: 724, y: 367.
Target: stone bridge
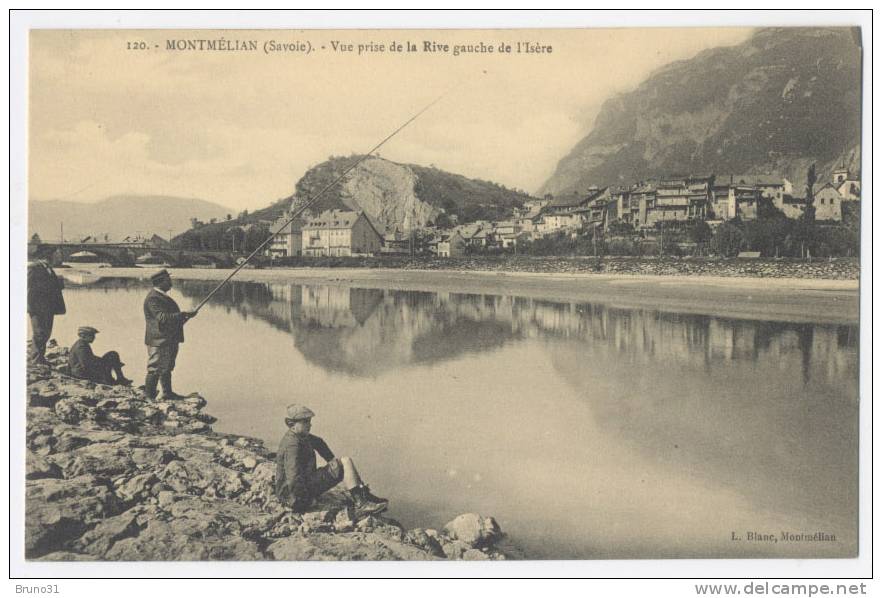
x: 126, y: 254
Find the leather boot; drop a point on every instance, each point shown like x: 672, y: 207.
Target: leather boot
x: 150, y: 383
x: 366, y: 503
x: 121, y: 380
x: 165, y: 380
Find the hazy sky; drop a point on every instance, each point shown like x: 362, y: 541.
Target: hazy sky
x: 240, y: 128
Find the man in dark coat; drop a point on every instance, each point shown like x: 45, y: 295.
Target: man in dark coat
x: 165, y: 331
x: 45, y: 301
x: 85, y: 364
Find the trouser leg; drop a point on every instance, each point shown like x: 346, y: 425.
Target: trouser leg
x: 161, y: 363
x: 165, y: 381
x: 150, y: 382
x: 41, y: 327
x: 157, y: 363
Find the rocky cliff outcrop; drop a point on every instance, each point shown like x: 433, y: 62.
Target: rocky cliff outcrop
x: 386, y: 192
x: 782, y: 100
x: 110, y: 476
x: 403, y: 196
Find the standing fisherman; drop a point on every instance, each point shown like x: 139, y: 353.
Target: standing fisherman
x: 45, y: 301
x: 165, y: 331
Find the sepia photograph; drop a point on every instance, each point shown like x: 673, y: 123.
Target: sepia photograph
x: 441, y: 294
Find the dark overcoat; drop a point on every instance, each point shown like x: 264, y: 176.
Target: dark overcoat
x: 44, y: 291
x: 165, y: 322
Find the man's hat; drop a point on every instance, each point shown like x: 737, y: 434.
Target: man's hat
x: 159, y: 276
x: 297, y: 412
x: 86, y: 330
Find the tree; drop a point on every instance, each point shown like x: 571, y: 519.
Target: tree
x: 700, y: 232
x: 810, y: 179
x: 36, y: 239
x: 229, y: 217
x: 728, y: 239
x: 254, y: 236
x: 443, y: 221
x: 188, y: 240
x: 621, y: 228
x: 803, y: 239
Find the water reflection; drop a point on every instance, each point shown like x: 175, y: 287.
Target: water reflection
x: 366, y: 332
x: 588, y: 430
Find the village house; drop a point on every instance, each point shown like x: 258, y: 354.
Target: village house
x: 770, y: 187
x: 505, y: 233
x: 554, y: 222
x: 643, y: 194
x: 396, y: 243
x: 506, y: 227
x: 574, y: 201
x: 288, y: 242
x: 572, y: 211
x: 792, y: 207
x: 482, y: 238
x: 596, y: 210
x: 453, y: 245
x: 678, y: 199
x: 745, y: 201
x: 534, y: 206
x: 828, y: 203
x: 626, y: 206
x: 849, y: 187
x: 526, y: 224
x: 340, y: 233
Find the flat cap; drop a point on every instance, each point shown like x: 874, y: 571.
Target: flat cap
x: 159, y: 276
x: 87, y: 330
x: 297, y: 412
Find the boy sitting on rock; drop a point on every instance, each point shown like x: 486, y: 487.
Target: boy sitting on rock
x: 88, y: 366
x: 299, y: 482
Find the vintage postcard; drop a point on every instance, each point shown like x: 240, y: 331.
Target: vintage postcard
x: 586, y: 293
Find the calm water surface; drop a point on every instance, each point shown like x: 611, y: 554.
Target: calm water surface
x: 588, y: 431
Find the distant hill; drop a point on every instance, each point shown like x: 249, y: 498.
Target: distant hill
x: 780, y: 101
x: 119, y: 216
x: 400, y: 196
x: 393, y: 195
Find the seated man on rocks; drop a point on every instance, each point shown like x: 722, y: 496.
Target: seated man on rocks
x: 88, y: 366
x: 299, y: 482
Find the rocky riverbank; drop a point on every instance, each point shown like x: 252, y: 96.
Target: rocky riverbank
x: 113, y: 477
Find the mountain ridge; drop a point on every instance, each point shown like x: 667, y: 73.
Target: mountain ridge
x: 118, y: 216
x: 774, y: 104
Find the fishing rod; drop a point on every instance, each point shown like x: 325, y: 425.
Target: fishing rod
x: 315, y: 198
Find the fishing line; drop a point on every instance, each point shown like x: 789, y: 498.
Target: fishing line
x: 316, y: 197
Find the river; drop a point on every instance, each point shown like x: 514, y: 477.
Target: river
x: 587, y: 430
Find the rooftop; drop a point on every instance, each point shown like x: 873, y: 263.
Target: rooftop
x: 333, y: 219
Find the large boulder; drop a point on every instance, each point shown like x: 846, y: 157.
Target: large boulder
x: 475, y: 530
x: 58, y: 511
x: 203, y: 478
x: 195, y: 530
x: 98, y: 540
